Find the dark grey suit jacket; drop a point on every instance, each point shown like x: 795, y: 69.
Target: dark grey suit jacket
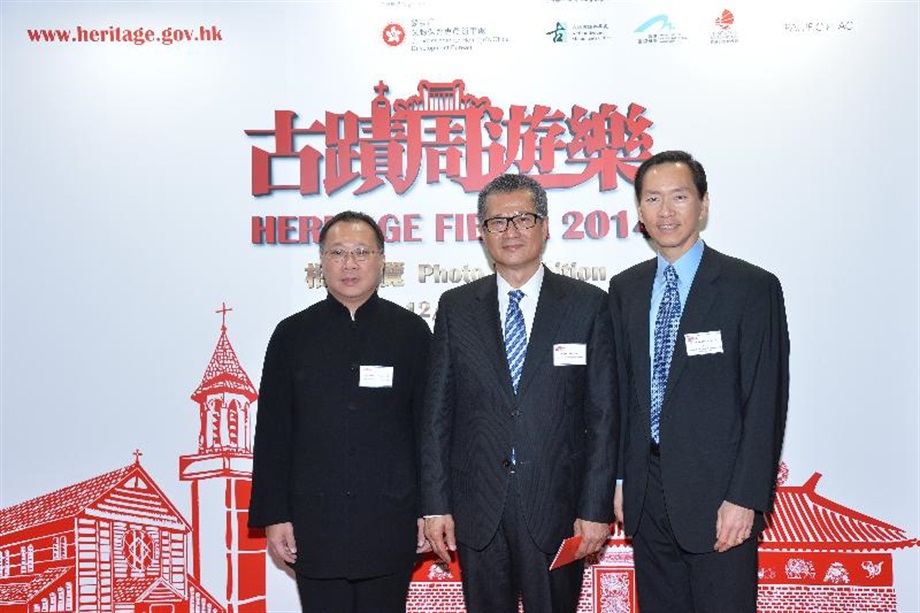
x: 562, y: 423
x: 724, y: 414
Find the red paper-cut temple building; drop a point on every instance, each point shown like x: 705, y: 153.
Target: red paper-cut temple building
x: 816, y: 555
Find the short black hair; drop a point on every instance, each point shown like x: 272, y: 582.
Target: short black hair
x: 347, y: 216
x: 673, y: 157
x: 503, y: 184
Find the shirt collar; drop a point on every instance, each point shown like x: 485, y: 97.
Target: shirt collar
x: 686, y: 265
x: 369, y: 306
x: 531, y: 289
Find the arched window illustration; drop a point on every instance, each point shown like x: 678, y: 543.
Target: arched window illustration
x: 59, y: 552
x: 138, y: 549
x: 68, y: 596
x: 31, y: 558
x: 52, y: 602
x: 233, y: 423
x: 216, y: 438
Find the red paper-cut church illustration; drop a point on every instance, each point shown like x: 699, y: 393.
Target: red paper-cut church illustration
x: 220, y: 473
x: 111, y: 543
x: 116, y: 542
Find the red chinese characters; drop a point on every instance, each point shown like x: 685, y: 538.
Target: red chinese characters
x: 446, y: 132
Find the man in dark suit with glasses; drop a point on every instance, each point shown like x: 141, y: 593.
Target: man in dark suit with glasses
x: 519, y: 433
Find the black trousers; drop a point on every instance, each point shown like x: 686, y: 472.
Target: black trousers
x: 385, y: 594
x: 512, y: 565
x: 672, y: 580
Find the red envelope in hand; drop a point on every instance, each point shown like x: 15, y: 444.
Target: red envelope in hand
x: 566, y: 553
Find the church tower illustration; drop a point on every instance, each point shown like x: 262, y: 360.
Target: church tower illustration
x: 220, y: 473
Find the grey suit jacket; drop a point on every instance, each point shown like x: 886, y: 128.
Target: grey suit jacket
x: 724, y: 413
x: 562, y: 422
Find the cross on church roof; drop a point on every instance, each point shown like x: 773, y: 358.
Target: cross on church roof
x: 137, y: 456
x: 223, y: 310
x: 224, y: 372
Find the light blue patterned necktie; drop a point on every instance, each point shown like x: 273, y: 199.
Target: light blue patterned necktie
x: 515, y: 337
x: 666, y: 323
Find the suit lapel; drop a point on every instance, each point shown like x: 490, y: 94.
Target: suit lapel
x: 702, y: 295
x: 551, y: 309
x: 488, y: 328
x: 638, y: 307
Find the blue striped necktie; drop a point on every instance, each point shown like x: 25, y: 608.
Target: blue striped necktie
x: 666, y: 324
x: 515, y: 337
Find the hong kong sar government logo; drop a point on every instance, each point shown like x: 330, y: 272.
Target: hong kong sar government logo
x: 394, y: 34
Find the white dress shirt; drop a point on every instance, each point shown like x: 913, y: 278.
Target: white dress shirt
x: 528, y: 303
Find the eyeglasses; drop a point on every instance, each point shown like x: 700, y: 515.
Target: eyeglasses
x: 340, y: 256
x: 521, y: 221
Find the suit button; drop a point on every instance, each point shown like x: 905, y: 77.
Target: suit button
x: 516, y: 413
x: 354, y: 368
x: 350, y: 494
x: 506, y: 463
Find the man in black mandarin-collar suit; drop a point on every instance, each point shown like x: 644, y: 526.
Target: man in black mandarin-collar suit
x: 335, y: 474
x: 517, y: 472
x: 694, y: 501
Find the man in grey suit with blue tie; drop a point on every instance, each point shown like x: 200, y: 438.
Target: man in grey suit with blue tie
x: 703, y: 361
x: 519, y: 434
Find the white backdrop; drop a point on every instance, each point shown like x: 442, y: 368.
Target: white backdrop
x: 125, y: 185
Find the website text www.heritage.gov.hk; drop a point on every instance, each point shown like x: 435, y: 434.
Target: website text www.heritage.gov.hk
x: 136, y: 36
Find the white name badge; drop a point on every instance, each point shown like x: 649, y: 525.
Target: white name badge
x: 703, y: 343
x: 570, y: 354
x: 376, y: 376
